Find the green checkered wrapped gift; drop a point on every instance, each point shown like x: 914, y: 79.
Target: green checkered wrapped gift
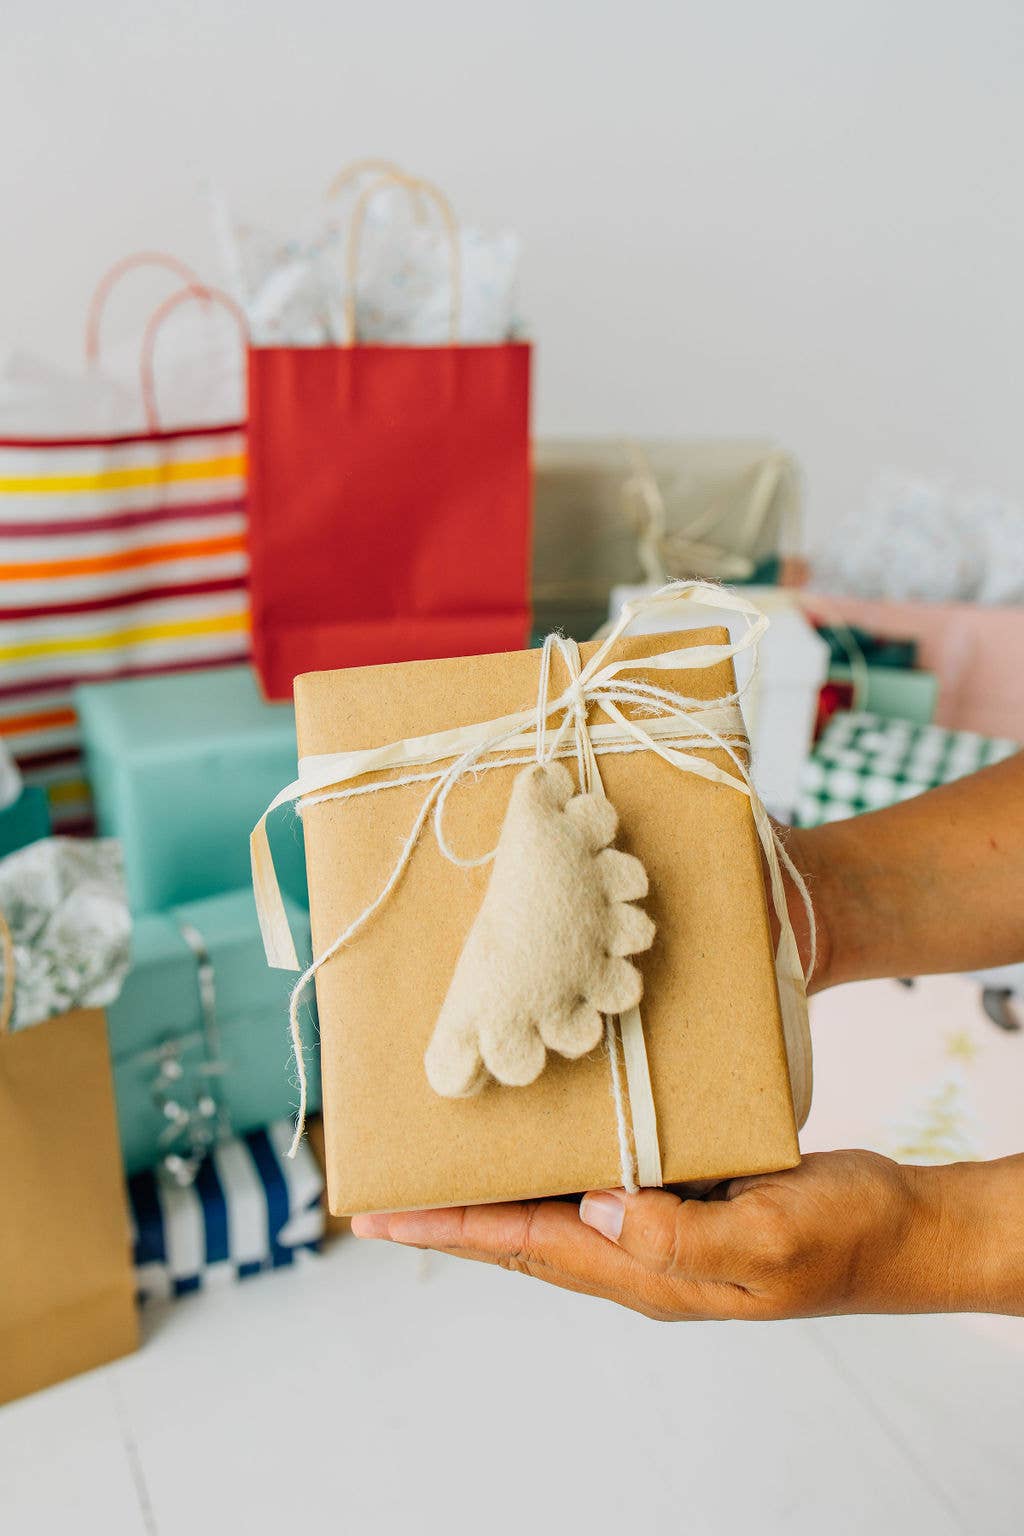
x: 863, y: 762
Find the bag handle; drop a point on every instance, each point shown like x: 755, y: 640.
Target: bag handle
x: 656, y: 541
x: 414, y: 185
x: 195, y: 291
x: 109, y: 281
x: 357, y: 168
x: 7, y: 998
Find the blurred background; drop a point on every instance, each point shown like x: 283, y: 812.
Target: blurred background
x: 767, y: 260
x: 791, y: 220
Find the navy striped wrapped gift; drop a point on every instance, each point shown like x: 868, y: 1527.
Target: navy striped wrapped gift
x: 250, y: 1209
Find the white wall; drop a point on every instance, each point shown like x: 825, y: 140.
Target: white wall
x: 796, y: 217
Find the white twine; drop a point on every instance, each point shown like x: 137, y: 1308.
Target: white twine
x: 627, y: 1161
x: 590, y: 783
x: 670, y: 724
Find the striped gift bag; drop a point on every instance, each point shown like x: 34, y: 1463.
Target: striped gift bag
x: 120, y: 556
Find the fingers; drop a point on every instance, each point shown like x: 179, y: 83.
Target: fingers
x: 548, y: 1240
x: 544, y: 1238
x: 688, y: 1239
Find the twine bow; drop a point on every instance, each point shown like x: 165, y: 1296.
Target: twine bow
x: 673, y: 725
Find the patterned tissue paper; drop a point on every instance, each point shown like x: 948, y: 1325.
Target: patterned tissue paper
x: 65, y: 904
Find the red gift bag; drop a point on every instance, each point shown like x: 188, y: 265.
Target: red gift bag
x: 389, y: 497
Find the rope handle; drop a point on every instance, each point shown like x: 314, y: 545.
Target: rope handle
x: 110, y: 280
x: 356, y: 168
x: 415, y: 185
x: 656, y: 541
x: 7, y: 998
x: 195, y: 291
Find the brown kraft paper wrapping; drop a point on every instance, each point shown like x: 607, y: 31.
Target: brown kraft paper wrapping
x: 710, y: 1007
x: 67, y: 1287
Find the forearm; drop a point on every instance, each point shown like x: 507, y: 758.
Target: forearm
x: 964, y: 1250
x: 935, y: 884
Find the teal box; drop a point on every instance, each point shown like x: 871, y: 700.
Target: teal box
x: 160, y: 1012
x: 182, y: 767
x: 26, y: 821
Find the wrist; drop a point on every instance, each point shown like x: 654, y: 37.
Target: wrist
x: 802, y: 847
x: 967, y: 1251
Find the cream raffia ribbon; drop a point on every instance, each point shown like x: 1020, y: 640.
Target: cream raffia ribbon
x: 673, y: 725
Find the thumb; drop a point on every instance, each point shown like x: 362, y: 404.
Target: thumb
x: 665, y: 1234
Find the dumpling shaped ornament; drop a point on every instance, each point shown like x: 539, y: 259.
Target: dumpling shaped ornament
x: 547, y: 954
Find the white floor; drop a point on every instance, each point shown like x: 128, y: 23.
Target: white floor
x: 379, y: 1390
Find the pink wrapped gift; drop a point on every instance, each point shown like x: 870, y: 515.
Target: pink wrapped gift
x: 975, y: 652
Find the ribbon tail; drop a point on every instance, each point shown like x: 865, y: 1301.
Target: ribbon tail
x: 789, y: 974
x: 278, y: 941
x: 641, y: 1101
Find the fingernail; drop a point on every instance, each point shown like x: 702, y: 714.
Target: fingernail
x: 369, y: 1226
x: 605, y: 1212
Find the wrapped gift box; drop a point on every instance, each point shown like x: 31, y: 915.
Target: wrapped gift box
x: 25, y: 821
x: 863, y: 762
x: 739, y: 498
x: 974, y: 652
x: 250, y: 1209
x: 712, y: 1018
x: 780, y: 694
x: 181, y: 766
x: 895, y: 693
x: 334, y: 1226
x: 160, y: 1015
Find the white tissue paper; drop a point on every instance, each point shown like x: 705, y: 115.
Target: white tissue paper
x: 198, y: 378
x: 198, y: 368
x: 10, y: 778
x: 39, y: 399
x: 917, y: 541
x: 64, y: 902
x: 293, y: 289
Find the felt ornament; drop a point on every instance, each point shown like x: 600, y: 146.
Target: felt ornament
x: 547, y: 954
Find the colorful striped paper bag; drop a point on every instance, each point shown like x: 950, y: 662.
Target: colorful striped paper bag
x: 120, y: 556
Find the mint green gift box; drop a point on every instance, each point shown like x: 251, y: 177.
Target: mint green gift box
x: 160, y: 1007
x: 182, y: 766
x: 895, y: 693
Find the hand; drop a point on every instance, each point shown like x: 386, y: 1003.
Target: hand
x: 843, y: 1232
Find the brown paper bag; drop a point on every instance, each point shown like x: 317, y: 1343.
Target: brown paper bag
x: 711, y: 1009
x: 67, y: 1289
